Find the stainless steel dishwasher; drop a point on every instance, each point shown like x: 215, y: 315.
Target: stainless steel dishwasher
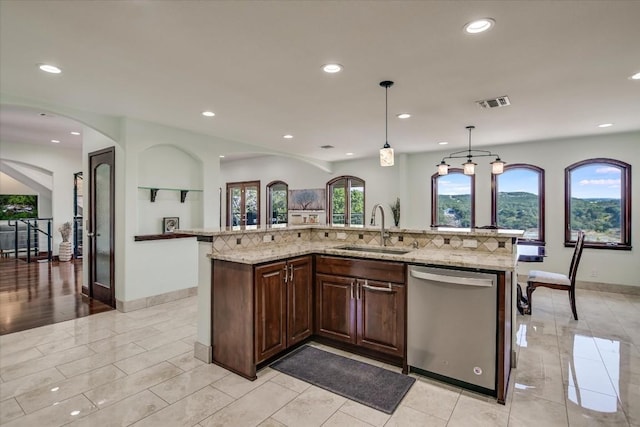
x: 452, y: 326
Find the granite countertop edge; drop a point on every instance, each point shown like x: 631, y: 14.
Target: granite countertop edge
x: 454, y: 258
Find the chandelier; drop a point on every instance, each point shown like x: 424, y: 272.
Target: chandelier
x: 497, y: 166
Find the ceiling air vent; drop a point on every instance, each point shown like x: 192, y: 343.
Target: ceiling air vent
x: 501, y: 101
x: 327, y: 147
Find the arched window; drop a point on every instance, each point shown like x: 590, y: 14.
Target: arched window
x: 277, y: 204
x: 345, y: 201
x: 517, y: 201
x: 598, y: 201
x: 453, y: 200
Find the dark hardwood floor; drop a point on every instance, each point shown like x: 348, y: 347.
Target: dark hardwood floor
x: 41, y: 293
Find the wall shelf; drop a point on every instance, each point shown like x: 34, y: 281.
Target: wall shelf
x: 153, y: 192
x: 165, y: 236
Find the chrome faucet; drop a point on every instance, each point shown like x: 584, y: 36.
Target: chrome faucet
x: 383, y: 234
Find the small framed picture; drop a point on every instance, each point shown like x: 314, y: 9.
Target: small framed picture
x: 170, y: 224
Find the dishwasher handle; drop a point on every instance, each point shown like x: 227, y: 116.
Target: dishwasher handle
x: 455, y: 280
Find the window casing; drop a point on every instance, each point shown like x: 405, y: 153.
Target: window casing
x: 243, y: 204
x: 517, y: 201
x: 277, y: 204
x: 345, y: 201
x: 598, y: 201
x: 453, y: 200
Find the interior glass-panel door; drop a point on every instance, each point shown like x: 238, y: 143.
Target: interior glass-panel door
x: 235, y: 206
x: 102, y: 230
x: 243, y: 204
x: 338, y: 196
x: 356, y: 203
x: 251, y: 205
x: 101, y: 226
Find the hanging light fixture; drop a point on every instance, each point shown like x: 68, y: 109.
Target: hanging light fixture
x: 386, y: 152
x: 497, y: 166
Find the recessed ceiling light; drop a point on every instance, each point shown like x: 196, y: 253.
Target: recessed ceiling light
x: 348, y: 154
x: 208, y: 113
x: 636, y: 76
x: 332, y: 68
x: 287, y: 136
x: 443, y: 143
x: 605, y: 125
x: 221, y: 156
x: 404, y: 115
x: 479, y: 25
x: 74, y: 133
x: 49, y: 68
x: 55, y: 141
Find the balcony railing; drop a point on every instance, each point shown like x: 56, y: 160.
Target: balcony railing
x: 25, y: 235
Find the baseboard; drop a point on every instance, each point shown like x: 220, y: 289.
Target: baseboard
x: 594, y: 286
x: 137, y: 304
x: 203, y: 352
x: 609, y: 287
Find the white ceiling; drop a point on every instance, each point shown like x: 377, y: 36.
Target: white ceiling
x: 257, y: 65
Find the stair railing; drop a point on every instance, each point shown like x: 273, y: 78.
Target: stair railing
x: 31, y: 226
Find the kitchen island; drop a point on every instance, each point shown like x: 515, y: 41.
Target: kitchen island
x: 273, y: 289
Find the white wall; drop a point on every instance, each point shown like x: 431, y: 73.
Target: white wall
x: 8, y: 185
x: 410, y: 179
x: 610, y: 266
x: 168, y: 167
x: 380, y: 182
x: 62, y: 163
x: 162, y: 156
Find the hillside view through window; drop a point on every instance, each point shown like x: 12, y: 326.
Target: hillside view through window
x: 454, y: 200
x: 519, y: 202
x: 596, y: 202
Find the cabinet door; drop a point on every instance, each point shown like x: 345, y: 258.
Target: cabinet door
x: 335, y: 305
x: 270, y: 310
x: 300, y: 312
x: 381, y: 316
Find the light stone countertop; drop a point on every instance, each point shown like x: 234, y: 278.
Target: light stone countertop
x: 442, y: 257
x: 376, y: 229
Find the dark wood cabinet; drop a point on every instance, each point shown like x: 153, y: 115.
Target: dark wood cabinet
x: 362, y: 302
x: 271, y: 310
x: 381, y: 316
x: 299, y: 300
x: 283, y: 295
x: 259, y: 311
x: 284, y: 313
x: 336, y: 307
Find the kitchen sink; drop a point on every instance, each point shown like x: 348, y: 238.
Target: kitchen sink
x: 380, y: 250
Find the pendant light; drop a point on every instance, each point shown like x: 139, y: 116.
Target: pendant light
x: 386, y: 152
x: 497, y: 166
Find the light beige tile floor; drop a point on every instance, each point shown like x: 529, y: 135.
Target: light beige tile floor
x: 138, y: 369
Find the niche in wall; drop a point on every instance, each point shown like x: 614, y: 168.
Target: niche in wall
x: 167, y: 172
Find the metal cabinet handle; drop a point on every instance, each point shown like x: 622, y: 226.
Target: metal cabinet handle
x: 359, y: 290
x: 291, y: 278
x: 376, y: 288
x: 352, y: 290
x: 286, y: 275
x: 90, y: 234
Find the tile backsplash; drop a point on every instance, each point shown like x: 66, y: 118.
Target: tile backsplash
x: 430, y: 239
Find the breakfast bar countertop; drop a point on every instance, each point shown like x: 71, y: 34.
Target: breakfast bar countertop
x: 442, y: 257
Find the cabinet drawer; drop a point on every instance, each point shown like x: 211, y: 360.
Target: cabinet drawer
x: 385, y: 271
